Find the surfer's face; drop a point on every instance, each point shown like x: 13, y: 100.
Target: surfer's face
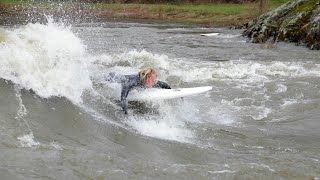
x: 151, y: 80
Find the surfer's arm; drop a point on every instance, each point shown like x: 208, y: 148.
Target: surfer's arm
x: 161, y: 84
x: 124, y: 94
x: 131, y: 81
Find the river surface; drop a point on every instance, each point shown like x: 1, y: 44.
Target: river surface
x: 59, y: 118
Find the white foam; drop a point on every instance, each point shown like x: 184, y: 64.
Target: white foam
x: 220, y: 116
x: 48, y: 59
x: 131, y: 62
x: 281, y: 88
x: 289, y: 102
x: 262, y: 71
x: 169, y: 124
x: 168, y: 129
x: 28, y: 141
x: 256, y: 112
x: 22, y: 108
x: 261, y: 166
x: 221, y: 172
x: 189, y: 71
x: 259, y: 112
x: 56, y: 146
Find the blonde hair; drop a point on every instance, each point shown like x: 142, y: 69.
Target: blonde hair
x: 145, y: 74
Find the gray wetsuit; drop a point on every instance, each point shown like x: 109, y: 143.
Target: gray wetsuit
x: 127, y: 83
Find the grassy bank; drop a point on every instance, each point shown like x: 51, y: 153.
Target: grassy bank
x: 223, y: 14
x: 216, y: 14
x: 210, y: 14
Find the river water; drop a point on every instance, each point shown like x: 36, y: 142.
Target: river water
x: 59, y: 120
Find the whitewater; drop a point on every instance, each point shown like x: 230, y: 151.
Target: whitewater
x: 59, y: 118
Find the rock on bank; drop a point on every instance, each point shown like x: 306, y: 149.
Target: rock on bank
x: 296, y: 21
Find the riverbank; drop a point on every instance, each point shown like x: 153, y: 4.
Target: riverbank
x: 208, y: 15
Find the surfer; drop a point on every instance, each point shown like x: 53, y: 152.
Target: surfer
x: 146, y: 78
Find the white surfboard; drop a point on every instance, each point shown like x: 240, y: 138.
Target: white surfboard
x: 210, y: 34
x: 150, y: 94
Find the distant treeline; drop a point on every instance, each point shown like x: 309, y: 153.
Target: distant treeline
x: 168, y: 1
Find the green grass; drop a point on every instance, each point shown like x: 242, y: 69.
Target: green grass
x: 18, y: 2
x: 276, y: 3
x: 225, y: 9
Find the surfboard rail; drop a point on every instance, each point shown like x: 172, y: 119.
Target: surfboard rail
x: 150, y: 94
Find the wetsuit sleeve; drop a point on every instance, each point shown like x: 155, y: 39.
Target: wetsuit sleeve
x: 124, y: 94
x: 161, y: 84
